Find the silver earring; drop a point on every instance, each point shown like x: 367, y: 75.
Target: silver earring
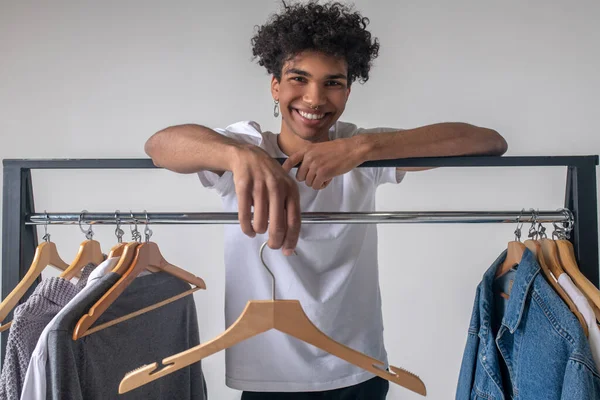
x: 276, y: 109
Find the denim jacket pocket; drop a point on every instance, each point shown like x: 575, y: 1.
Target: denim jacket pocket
x: 479, y: 395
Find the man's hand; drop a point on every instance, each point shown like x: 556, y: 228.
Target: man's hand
x: 261, y: 182
x: 323, y: 161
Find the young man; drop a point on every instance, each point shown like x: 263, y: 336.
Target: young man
x: 314, y: 54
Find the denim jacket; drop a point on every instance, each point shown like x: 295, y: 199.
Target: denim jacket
x: 546, y: 353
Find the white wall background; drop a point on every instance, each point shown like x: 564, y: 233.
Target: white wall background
x: 95, y: 80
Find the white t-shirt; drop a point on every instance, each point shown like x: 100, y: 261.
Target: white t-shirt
x: 34, y: 385
x: 586, y: 310
x: 334, y: 276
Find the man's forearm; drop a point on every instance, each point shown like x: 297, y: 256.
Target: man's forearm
x: 191, y: 148
x: 438, y: 140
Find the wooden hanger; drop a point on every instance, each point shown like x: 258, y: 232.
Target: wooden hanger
x: 89, y: 252
x: 514, y: 254
x: 514, y: 251
x: 117, y: 249
x: 551, y: 256
x: 45, y: 254
x: 126, y: 254
x: 125, y: 258
x: 536, y: 249
x: 259, y: 316
x: 146, y: 255
x: 568, y: 260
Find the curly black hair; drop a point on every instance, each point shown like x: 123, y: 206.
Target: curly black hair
x: 331, y: 28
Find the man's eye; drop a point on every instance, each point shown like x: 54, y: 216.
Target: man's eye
x: 298, y: 79
x: 333, y: 83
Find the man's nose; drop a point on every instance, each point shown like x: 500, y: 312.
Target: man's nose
x: 314, y: 96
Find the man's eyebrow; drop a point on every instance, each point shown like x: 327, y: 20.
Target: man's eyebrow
x: 304, y: 73
x: 337, y: 76
x: 297, y: 72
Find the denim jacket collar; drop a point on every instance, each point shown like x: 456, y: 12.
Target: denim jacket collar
x: 525, y: 274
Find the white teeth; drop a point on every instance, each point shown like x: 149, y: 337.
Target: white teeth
x: 311, y: 116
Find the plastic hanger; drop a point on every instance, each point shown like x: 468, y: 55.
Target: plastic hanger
x: 45, y: 254
x: 514, y: 252
x: 535, y: 247
x: 146, y: 255
x: 260, y: 316
x: 89, y: 252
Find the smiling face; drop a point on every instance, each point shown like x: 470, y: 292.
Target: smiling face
x: 310, y: 80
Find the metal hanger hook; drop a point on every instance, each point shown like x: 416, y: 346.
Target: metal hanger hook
x: 89, y: 233
x: 46, y: 236
x: 563, y: 232
x: 262, y: 248
x: 135, y: 234
x: 118, y: 231
x: 147, y: 230
x: 533, y: 234
x: 541, y: 228
x: 570, y: 222
x: 519, y: 226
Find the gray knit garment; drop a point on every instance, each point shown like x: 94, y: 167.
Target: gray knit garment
x: 29, y: 320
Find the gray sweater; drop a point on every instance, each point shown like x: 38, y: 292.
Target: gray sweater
x: 29, y: 320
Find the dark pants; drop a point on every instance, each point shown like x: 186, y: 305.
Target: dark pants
x: 373, y: 389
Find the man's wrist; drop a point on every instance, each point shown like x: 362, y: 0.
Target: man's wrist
x: 235, y: 153
x: 363, y: 147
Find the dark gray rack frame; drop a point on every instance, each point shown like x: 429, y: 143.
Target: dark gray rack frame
x: 19, y: 240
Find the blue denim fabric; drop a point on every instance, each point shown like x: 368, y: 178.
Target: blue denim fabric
x: 546, y: 352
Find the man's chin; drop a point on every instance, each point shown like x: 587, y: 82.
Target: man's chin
x: 313, y: 137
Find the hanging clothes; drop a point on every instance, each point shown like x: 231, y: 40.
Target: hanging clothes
x: 34, y: 383
x: 29, y: 320
x: 93, y: 366
x: 588, y: 314
x: 539, y: 340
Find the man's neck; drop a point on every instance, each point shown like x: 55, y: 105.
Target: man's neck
x: 290, y: 143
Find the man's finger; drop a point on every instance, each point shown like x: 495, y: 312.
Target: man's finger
x: 277, y: 221
x: 292, y: 161
x: 244, y: 204
x: 302, y: 171
x: 318, y: 183
x: 261, y: 210
x: 310, y: 177
x: 292, y: 207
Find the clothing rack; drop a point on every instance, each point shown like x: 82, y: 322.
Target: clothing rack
x: 394, y: 217
x: 19, y: 219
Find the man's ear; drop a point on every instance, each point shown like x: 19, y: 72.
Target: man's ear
x: 275, y: 87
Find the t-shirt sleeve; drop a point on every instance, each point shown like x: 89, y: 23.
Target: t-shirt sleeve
x: 245, y: 132
x: 386, y: 174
